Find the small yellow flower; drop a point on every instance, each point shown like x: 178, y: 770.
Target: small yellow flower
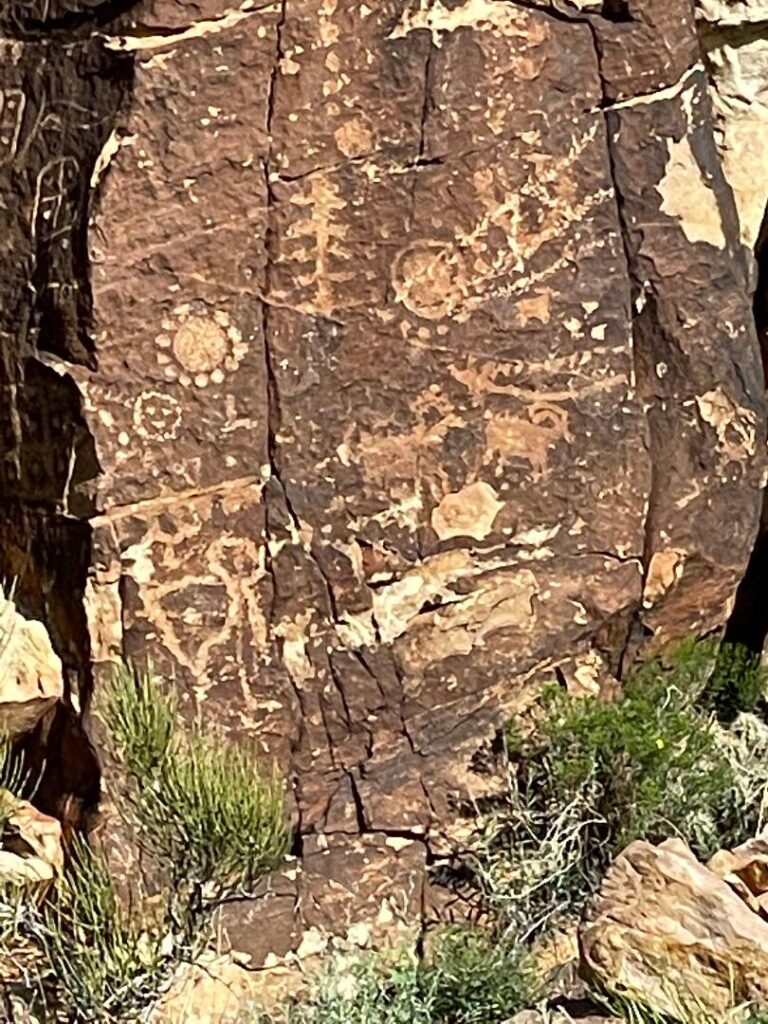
x: 660, y: 743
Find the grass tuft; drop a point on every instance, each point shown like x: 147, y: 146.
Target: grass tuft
x: 204, y: 807
x: 211, y: 813
x: 141, y: 718
x: 85, y: 959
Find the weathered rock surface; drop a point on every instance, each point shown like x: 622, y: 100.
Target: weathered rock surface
x: 671, y: 932
x: 364, y: 362
x: 735, y: 49
x: 31, y: 679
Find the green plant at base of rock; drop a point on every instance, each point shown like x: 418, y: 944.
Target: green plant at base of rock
x: 595, y: 775
x: 471, y: 978
x: 141, y: 718
x: 99, y: 957
x: 210, y: 813
x: 14, y: 780
x: 206, y: 808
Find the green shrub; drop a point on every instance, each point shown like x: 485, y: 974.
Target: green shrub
x: 99, y: 957
x: 594, y: 776
x: 471, y: 978
x: 212, y: 815
x: 206, y: 808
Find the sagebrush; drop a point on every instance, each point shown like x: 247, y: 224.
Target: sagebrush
x: 595, y: 775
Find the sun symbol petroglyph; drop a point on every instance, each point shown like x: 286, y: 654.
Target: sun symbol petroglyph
x: 430, y: 279
x: 200, y: 348
x: 454, y: 277
x: 200, y: 345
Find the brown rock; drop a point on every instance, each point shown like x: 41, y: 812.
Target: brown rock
x: 667, y: 930
x: 361, y: 362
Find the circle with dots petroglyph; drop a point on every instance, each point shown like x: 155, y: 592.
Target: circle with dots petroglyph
x: 204, y: 347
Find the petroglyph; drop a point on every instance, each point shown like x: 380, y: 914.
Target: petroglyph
x: 529, y: 437
x: 205, y: 347
x: 52, y: 211
x: 436, y: 278
x: 157, y: 416
x: 483, y: 15
x: 12, y: 105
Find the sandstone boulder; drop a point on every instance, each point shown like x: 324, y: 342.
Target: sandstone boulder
x: 214, y: 990
x: 670, y: 932
x: 31, y: 849
x: 31, y: 679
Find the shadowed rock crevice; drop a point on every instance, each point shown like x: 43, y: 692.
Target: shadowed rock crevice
x: 748, y: 623
x: 62, y: 91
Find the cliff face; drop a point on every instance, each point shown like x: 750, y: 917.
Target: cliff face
x: 362, y: 365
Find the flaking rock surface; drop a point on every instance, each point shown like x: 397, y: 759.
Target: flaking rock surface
x: 362, y: 362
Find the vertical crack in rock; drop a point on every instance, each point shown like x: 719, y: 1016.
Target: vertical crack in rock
x: 634, y: 627
x: 421, y: 152
x: 279, y: 514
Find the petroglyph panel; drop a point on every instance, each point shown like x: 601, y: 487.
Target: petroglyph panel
x: 391, y: 406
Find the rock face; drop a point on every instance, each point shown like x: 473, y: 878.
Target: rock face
x: 670, y: 932
x: 735, y: 49
x: 364, y: 362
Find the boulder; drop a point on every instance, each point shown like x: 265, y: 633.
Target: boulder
x: 670, y: 932
x: 213, y: 990
x: 31, y: 849
x: 31, y: 679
